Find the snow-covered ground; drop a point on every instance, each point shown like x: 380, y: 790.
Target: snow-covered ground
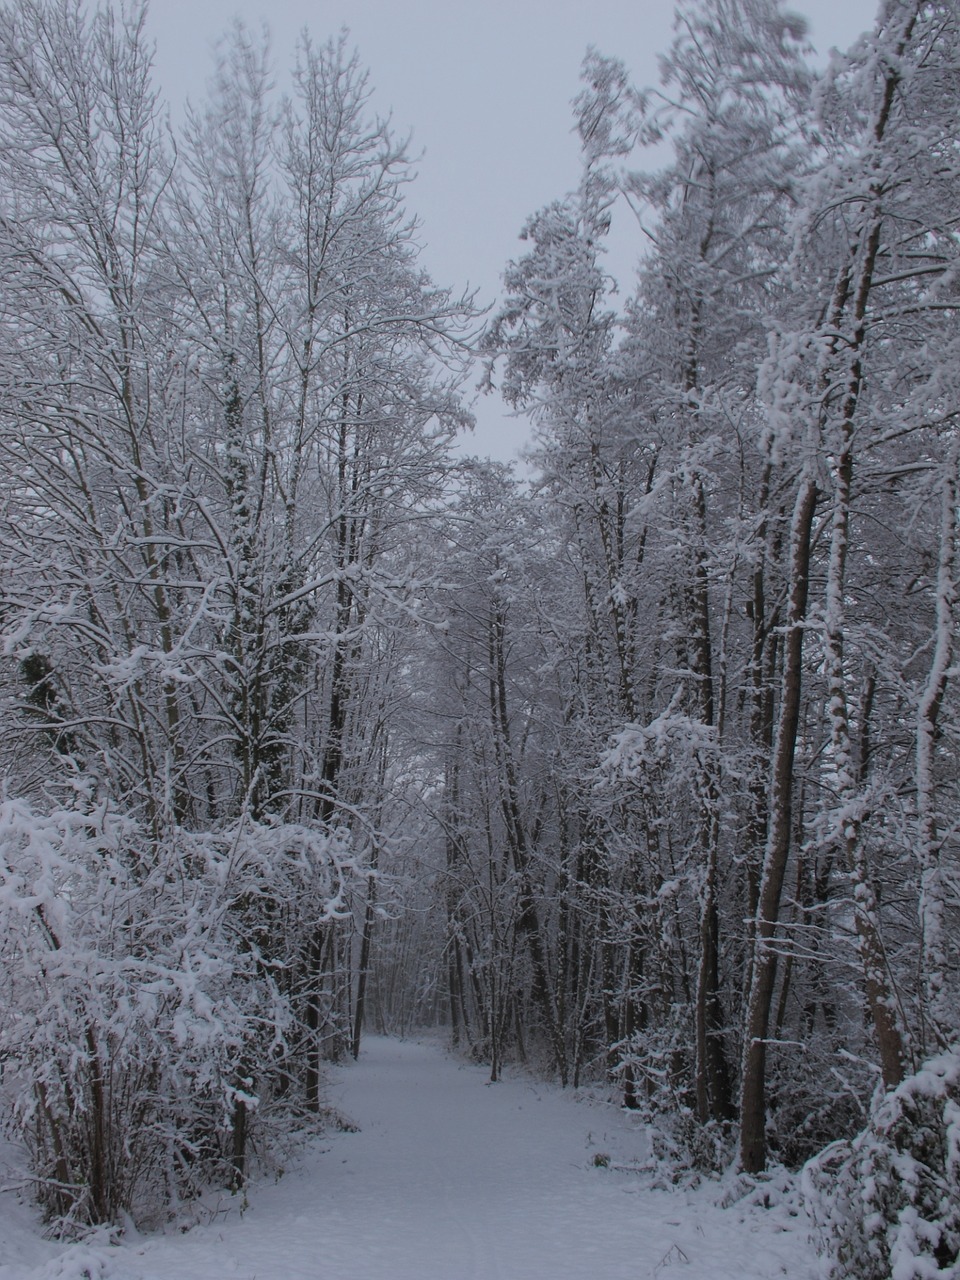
x: 450, y: 1178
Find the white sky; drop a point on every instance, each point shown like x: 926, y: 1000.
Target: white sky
x: 484, y: 88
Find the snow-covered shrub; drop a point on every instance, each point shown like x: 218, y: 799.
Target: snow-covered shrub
x: 886, y: 1205
x: 687, y: 1148
x: 144, y: 1010
x: 814, y: 1097
x: 684, y: 1145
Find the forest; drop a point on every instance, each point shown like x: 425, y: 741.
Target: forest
x: 639, y: 767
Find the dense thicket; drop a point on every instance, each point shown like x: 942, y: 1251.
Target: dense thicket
x: 643, y: 769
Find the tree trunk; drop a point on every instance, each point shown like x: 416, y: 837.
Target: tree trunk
x: 753, y: 1147
x: 369, y: 916
x: 933, y: 890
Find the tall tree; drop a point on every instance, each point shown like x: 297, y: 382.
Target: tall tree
x: 886, y: 245
x: 227, y: 411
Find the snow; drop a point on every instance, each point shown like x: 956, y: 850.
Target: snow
x: 450, y: 1178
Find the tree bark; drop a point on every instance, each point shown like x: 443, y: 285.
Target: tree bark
x: 753, y: 1146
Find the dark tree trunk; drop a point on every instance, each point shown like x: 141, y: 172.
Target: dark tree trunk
x: 753, y: 1147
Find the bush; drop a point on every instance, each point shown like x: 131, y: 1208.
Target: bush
x: 814, y: 1097
x: 886, y: 1205
x: 146, y: 1021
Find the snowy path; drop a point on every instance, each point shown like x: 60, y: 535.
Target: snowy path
x: 454, y: 1179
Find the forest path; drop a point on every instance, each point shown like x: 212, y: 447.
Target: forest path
x: 452, y: 1178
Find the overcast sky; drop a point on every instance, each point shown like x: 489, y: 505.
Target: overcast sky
x: 484, y: 86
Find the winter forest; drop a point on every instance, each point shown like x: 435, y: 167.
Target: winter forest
x: 636, y: 769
